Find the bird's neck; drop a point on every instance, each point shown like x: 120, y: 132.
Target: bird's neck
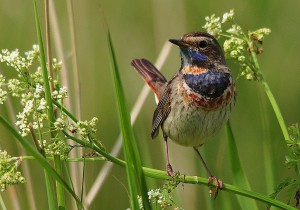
x: 191, y: 57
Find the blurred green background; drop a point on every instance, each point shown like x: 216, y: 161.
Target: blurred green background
x: 139, y: 29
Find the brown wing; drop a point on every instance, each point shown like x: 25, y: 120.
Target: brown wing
x: 161, y: 112
x: 150, y: 75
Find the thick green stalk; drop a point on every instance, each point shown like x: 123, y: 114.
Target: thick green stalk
x: 60, y: 106
x: 50, y: 192
x: 88, y: 159
x: 57, y: 163
x: 161, y: 175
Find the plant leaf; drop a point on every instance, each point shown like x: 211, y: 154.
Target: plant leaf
x: 239, y: 177
x: 135, y: 175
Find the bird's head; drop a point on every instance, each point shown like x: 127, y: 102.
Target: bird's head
x: 199, y: 48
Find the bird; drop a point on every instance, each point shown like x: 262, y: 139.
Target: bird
x: 196, y: 102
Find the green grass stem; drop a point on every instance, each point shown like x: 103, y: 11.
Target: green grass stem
x: 57, y: 161
x: 162, y: 175
x: 267, y: 90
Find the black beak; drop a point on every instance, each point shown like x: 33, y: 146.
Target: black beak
x: 178, y: 42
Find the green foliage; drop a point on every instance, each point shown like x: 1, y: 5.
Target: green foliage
x: 292, y: 161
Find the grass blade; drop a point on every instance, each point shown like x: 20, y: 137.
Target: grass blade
x: 239, y: 177
x: 135, y: 175
x: 50, y: 192
x: 2, y: 204
x: 57, y: 161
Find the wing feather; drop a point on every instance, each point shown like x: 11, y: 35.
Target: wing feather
x: 161, y: 112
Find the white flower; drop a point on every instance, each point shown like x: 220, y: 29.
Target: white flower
x: 59, y: 124
x: 14, y: 87
x: 259, y: 34
x: 61, y: 94
x: 28, y: 107
x: 42, y: 105
x: 228, y: 16
x: 38, y: 90
x: 32, y: 54
x: 235, y: 30
x: 3, y: 96
x: 213, y: 25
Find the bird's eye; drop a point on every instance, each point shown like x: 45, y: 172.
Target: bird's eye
x: 203, y: 44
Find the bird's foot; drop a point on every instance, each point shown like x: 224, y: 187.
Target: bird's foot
x: 219, y: 185
x: 170, y: 171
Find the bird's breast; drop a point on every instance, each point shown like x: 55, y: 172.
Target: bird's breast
x: 207, y: 88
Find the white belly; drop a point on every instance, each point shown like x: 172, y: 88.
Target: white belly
x: 192, y: 126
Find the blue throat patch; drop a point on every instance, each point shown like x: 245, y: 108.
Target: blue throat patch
x: 210, y: 84
x: 195, y: 56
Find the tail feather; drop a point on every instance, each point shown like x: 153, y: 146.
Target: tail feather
x: 150, y: 75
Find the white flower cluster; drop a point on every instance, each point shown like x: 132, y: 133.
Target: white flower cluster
x: 62, y: 93
x: 14, y: 87
x: 16, y: 61
x: 42, y: 143
x: 58, y: 147
x: 158, y: 196
x: 228, y: 16
x: 34, y: 111
x: 37, y: 76
x: 235, y: 30
x: 247, y: 72
x: 8, y: 171
x: 32, y: 54
x: 60, y: 123
x: 3, y: 93
x: 85, y: 128
x: 238, y: 43
x: 213, y: 23
x: 13, y: 59
x: 22, y: 118
x: 30, y: 88
x: 259, y: 34
x: 235, y: 48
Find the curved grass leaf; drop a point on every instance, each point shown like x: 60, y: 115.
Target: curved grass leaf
x: 135, y: 175
x: 238, y: 175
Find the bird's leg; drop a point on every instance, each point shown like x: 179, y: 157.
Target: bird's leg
x: 219, y: 183
x: 169, y: 168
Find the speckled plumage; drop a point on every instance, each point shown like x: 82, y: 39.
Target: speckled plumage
x: 197, y: 101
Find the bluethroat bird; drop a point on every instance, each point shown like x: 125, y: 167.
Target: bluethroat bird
x: 196, y: 102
